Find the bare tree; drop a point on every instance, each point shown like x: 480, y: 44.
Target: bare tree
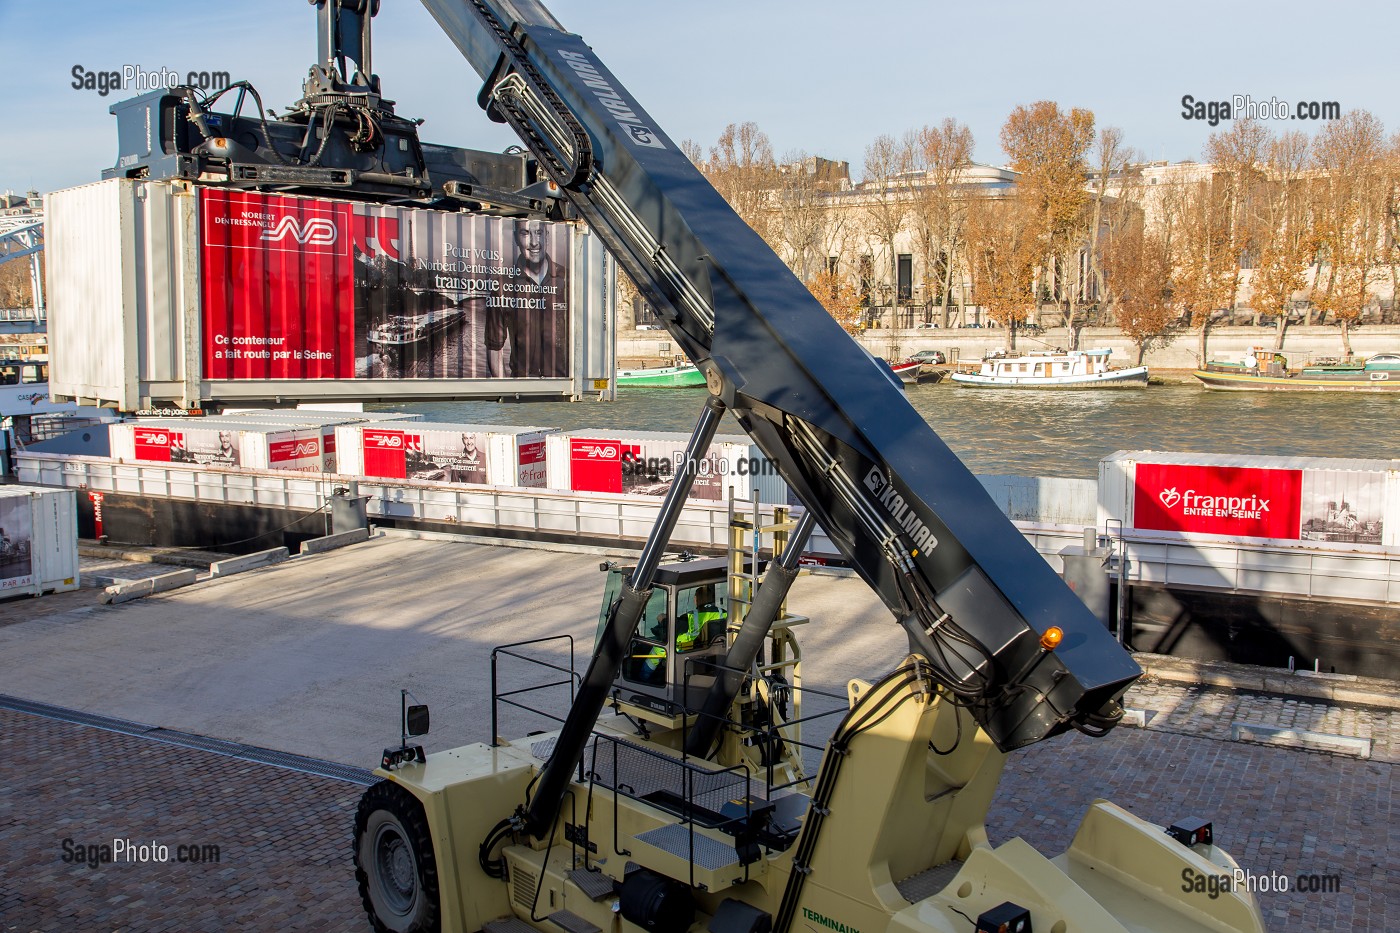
x: 1206, y: 267
x: 1350, y: 154
x: 804, y: 213
x: 938, y: 209
x: 1137, y: 267
x: 1049, y: 146
x: 838, y: 296
x: 1002, y: 251
x: 1287, y: 239
x: 14, y: 285
x: 1111, y: 160
x: 743, y: 170
x: 885, y: 193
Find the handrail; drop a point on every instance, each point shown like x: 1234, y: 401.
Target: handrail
x: 498, y: 697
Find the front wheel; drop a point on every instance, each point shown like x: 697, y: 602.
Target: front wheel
x: 394, y: 863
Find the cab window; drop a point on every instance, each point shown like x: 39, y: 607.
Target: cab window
x: 702, y: 612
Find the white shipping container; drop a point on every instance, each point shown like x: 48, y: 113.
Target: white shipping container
x: 128, y: 274
x: 643, y: 463
x: 1322, y: 499
x: 327, y: 420
x: 38, y: 540
x: 317, y: 416
x: 484, y: 454
x: 227, y: 444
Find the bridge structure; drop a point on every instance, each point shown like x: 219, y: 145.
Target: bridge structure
x: 22, y: 236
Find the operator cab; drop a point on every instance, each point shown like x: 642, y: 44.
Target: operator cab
x: 671, y: 656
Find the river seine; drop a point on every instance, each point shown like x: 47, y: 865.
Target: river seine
x: 1031, y: 432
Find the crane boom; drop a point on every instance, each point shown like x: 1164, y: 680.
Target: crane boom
x: 975, y: 598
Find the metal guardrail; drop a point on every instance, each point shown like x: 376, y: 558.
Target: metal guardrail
x: 1369, y: 573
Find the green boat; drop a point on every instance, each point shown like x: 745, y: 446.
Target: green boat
x: 665, y: 377
x: 1267, y: 371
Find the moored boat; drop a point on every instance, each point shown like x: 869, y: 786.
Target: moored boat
x: 680, y: 375
x: 908, y: 371
x: 402, y: 330
x: 1268, y: 371
x: 1073, y: 369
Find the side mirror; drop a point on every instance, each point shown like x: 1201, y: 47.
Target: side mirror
x: 416, y: 720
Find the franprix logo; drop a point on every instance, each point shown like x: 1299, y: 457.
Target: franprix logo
x: 1217, y: 499
x: 317, y: 231
x: 1193, y: 503
x: 899, y: 510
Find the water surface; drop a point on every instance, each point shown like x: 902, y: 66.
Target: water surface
x: 1034, y: 432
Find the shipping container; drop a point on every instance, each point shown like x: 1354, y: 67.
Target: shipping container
x: 327, y: 421
x: 169, y: 294
x: 644, y: 462
x: 1250, y: 496
x: 224, y: 443
x: 482, y: 454
x: 38, y: 540
x: 317, y: 416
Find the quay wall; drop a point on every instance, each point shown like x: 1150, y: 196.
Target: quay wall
x: 1238, y: 601
x: 971, y: 343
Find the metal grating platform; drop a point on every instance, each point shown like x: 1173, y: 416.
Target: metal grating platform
x: 929, y: 881
x: 508, y: 925
x: 265, y: 756
x: 592, y: 882
x: 675, y: 839
x: 573, y: 923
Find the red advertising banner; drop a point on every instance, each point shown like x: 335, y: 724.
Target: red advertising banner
x: 308, y: 288
x: 1220, y: 500
x: 154, y: 444
x: 595, y: 465
x: 385, y: 453
x: 533, y: 472
x: 278, y: 287
x: 284, y: 454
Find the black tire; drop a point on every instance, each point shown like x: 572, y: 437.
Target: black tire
x: 394, y: 863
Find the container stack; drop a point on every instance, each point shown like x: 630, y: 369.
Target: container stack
x: 645, y: 462
x: 476, y: 454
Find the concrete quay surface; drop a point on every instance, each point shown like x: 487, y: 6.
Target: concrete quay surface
x: 307, y: 656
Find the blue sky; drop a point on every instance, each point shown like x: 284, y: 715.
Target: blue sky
x: 816, y: 76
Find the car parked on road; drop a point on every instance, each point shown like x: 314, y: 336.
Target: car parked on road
x: 930, y: 357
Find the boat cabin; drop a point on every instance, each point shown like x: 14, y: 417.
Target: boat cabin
x: 1047, y: 364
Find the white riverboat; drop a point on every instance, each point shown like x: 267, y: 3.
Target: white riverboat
x: 1073, y: 369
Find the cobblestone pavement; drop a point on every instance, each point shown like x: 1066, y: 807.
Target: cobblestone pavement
x: 1274, y: 809
x: 285, y: 854
x: 283, y: 837
x: 1206, y: 711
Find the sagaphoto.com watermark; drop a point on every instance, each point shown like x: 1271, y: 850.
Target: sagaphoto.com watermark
x: 1245, y: 107
x: 121, y: 851
x: 140, y: 79
x: 1241, y: 879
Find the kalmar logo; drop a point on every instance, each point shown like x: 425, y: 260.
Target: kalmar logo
x: 1169, y: 497
x: 318, y: 231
